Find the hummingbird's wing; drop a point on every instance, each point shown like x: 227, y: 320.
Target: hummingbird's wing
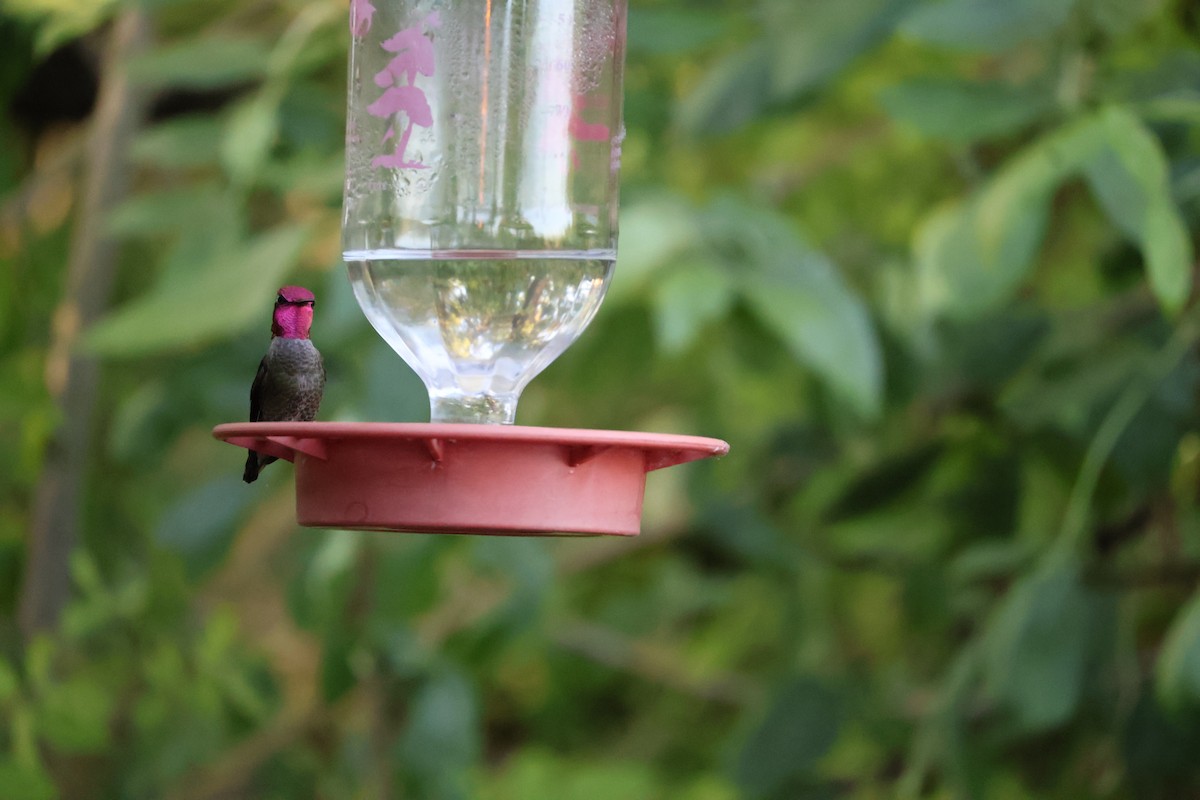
x: 256, y: 391
x: 254, y: 461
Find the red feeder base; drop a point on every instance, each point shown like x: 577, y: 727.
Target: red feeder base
x: 486, y: 479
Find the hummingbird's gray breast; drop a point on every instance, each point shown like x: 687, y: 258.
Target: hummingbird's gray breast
x: 294, y: 382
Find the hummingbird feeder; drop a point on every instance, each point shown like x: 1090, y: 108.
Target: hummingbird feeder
x: 479, y: 229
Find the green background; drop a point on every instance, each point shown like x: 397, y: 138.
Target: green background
x: 927, y: 266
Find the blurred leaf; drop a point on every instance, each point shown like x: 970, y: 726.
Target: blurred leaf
x: 1068, y: 395
x: 1160, y: 749
x: 825, y: 327
x: 24, y: 781
x: 319, y: 591
x: 1178, y: 669
x: 406, y: 582
x: 1130, y: 179
x: 991, y: 560
x: 203, y: 306
x: 539, y: 774
x: 339, y: 643
x: 733, y: 92
x: 884, y: 483
x: 807, y: 44
x: 814, y: 40
x: 1118, y: 16
x: 958, y: 274
x: 201, y: 525
x: 987, y: 25
x: 1148, y: 449
x: 341, y: 318
x: 670, y: 31
x: 980, y: 489
x: 203, y: 62
x: 59, y: 21
x: 402, y: 652
x: 742, y: 532
x: 900, y: 534
x: 137, y: 429
x: 973, y: 255
x: 692, y: 295
x: 989, y: 351
x: 653, y: 233
x: 312, y: 119
x: 74, y: 716
x: 440, y: 740
x: 393, y: 392
x: 801, y: 724
x: 964, y: 111
x: 799, y: 295
x: 215, y: 234
x: 186, y: 141
x: 10, y: 682
x: 166, y: 211
x: 39, y: 657
x: 525, y: 564
x: 303, y: 173
x: 249, y: 134
x: 1170, y: 75
x: 1037, y: 647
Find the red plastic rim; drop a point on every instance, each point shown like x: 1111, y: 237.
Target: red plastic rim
x: 458, y: 478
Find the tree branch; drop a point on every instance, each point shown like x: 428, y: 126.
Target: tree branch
x: 73, y: 378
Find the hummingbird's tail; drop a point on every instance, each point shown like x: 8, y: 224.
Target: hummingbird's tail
x: 254, y: 464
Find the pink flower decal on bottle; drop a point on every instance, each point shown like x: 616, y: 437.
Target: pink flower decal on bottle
x: 586, y: 131
x: 361, y: 13
x: 413, y: 56
x: 582, y: 131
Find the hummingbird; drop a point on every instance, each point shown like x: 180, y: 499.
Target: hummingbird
x: 291, y: 376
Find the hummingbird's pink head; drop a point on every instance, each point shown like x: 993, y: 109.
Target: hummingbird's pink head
x: 293, y: 313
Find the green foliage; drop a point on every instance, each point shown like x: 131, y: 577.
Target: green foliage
x: 975, y: 255
x: 1038, y: 647
x: 1179, y: 663
x: 219, y: 292
x: 58, y: 21
x: 928, y: 265
x: 202, y: 62
x: 24, y: 782
x: 200, y: 526
x: 965, y: 111
x: 731, y: 251
x: 440, y: 738
x: 987, y: 26
x: 800, y: 727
